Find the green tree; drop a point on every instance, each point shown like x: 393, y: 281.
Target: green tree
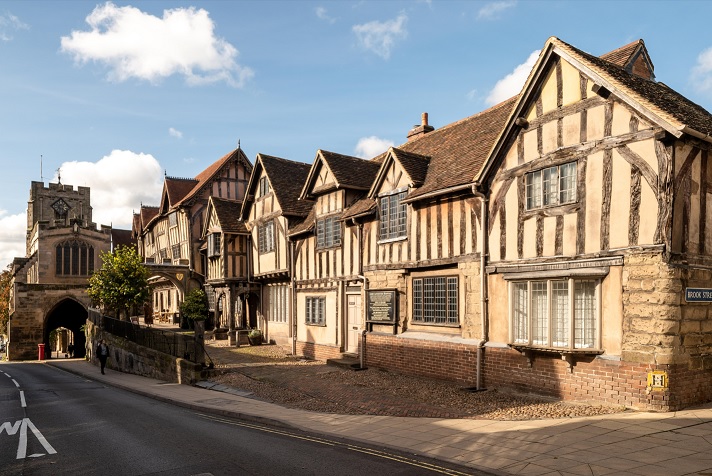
x: 195, y: 306
x: 122, y: 281
x: 5, y: 284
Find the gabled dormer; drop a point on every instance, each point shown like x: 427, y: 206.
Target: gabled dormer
x: 634, y: 59
x: 280, y: 179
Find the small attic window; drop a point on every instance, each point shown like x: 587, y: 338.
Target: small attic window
x: 264, y: 187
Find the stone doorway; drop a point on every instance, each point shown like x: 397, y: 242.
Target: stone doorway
x: 71, y: 315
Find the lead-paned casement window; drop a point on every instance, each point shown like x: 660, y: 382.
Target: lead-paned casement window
x: 315, y: 310
x: 214, y: 244
x: 328, y: 232
x: 555, y: 313
x: 266, y: 237
x: 175, y: 251
x: 173, y: 219
x: 163, y: 253
x: 551, y: 186
x: 435, y: 300
x: 393, y: 216
x: 74, y: 258
x: 278, y: 303
x: 264, y: 186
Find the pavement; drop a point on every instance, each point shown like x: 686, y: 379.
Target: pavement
x: 634, y: 443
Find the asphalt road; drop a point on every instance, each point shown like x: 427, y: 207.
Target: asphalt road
x: 55, y: 423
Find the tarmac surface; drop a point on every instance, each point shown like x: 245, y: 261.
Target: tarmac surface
x: 634, y: 443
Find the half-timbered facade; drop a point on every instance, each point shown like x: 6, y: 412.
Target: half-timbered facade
x: 328, y: 268
x: 171, y: 240
x: 596, y: 229
x: 226, y: 283
x: 271, y: 207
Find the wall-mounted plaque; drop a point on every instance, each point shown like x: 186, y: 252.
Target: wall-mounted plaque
x: 381, y: 306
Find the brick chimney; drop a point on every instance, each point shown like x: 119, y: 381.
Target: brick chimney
x: 419, y: 130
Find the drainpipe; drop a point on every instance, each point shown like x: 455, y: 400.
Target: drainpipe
x: 484, y: 296
x: 293, y: 294
x: 359, y: 238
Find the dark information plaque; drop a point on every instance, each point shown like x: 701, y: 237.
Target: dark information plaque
x: 382, y: 306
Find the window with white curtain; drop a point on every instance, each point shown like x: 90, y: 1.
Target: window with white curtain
x: 555, y: 313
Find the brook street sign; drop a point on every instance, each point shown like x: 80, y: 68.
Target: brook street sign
x: 698, y: 294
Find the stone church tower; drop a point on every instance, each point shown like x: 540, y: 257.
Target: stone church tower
x: 63, y: 248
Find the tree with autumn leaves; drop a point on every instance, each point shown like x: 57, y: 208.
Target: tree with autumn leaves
x: 122, y: 282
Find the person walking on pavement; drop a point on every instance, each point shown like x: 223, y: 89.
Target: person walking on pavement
x: 102, y: 351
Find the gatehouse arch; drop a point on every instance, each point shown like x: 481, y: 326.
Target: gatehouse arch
x: 69, y: 314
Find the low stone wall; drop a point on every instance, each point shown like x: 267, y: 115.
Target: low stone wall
x: 128, y: 357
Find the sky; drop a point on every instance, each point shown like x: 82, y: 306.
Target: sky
x: 114, y: 95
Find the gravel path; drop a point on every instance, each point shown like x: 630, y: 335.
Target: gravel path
x: 272, y: 375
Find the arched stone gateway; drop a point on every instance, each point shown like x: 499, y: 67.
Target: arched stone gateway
x: 71, y: 315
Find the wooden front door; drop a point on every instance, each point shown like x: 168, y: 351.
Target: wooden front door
x: 353, y: 326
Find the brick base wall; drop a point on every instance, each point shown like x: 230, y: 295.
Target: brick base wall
x: 434, y: 359
x: 314, y: 351
x: 593, y: 380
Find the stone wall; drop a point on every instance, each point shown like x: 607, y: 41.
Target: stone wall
x: 128, y: 357
x: 33, y: 304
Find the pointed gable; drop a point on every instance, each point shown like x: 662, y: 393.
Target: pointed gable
x: 225, y: 214
x: 287, y: 178
x: 174, y: 191
x: 654, y: 101
x: 332, y: 171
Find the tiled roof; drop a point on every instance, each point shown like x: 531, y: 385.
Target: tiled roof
x: 305, y: 226
x: 287, y: 178
x: 228, y: 212
x: 147, y: 214
x: 663, y: 101
x: 362, y: 207
x: 622, y: 56
x: 177, y: 189
x: 122, y: 238
x: 351, y: 172
x: 458, y: 151
x: 415, y: 165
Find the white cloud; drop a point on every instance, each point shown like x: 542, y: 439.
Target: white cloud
x: 12, y: 237
x: 369, y: 147
x: 471, y: 95
x: 512, y: 84
x: 702, y: 72
x: 491, y: 10
x: 175, y: 133
x: 135, y: 44
x: 119, y: 183
x: 322, y: 15
x: 9, y: 23
x: 380, y: 37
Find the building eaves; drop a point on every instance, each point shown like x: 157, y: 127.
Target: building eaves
x: 228, y: 213
x: 351, y: 172
x: 683, y: 115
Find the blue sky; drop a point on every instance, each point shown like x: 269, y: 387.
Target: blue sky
x: 117, y: 94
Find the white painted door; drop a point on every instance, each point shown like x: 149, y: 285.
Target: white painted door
x: 353, y: 326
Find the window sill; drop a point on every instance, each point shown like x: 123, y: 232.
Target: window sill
x: 392, y: 240
x: 568, y: 355
x: 315, y: 325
